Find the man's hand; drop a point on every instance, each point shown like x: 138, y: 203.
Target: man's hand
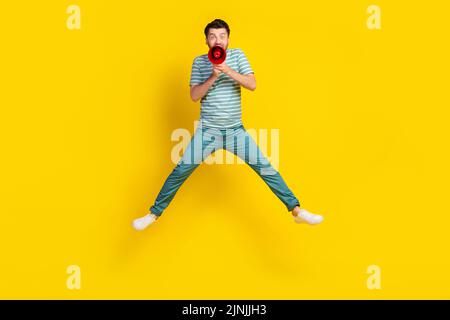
x: 219, y: 68
x: 216, y: 72
x: 247, y: 81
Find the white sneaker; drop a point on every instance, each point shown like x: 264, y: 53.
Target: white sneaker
x: 144, y: 222
x: 307, y: 217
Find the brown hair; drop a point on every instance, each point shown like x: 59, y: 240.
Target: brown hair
x: 216, y: 24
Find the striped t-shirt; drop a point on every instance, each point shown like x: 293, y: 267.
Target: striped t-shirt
x: 221, y: 106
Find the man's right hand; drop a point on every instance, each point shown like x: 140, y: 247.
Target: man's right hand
x: 198, y: 91
x: 216, y: 72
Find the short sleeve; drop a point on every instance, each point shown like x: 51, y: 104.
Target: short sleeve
x: 195, y: 73
x: 244, y: 65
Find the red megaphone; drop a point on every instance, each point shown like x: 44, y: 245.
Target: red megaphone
x: 217, y: 55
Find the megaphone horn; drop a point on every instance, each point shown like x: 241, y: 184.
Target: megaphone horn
x: 217, y: 55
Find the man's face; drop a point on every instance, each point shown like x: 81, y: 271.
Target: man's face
x: 217, y: 37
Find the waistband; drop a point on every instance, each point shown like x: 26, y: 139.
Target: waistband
x: 240, y: 126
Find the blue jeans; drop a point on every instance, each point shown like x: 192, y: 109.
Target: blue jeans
x: 236, y: 140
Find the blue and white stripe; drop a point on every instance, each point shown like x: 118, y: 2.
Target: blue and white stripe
x: 221, y: 106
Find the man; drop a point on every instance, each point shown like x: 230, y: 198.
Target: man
x: 220, y: 127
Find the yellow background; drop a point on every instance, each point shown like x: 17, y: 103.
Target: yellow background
x: 86, y: 118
